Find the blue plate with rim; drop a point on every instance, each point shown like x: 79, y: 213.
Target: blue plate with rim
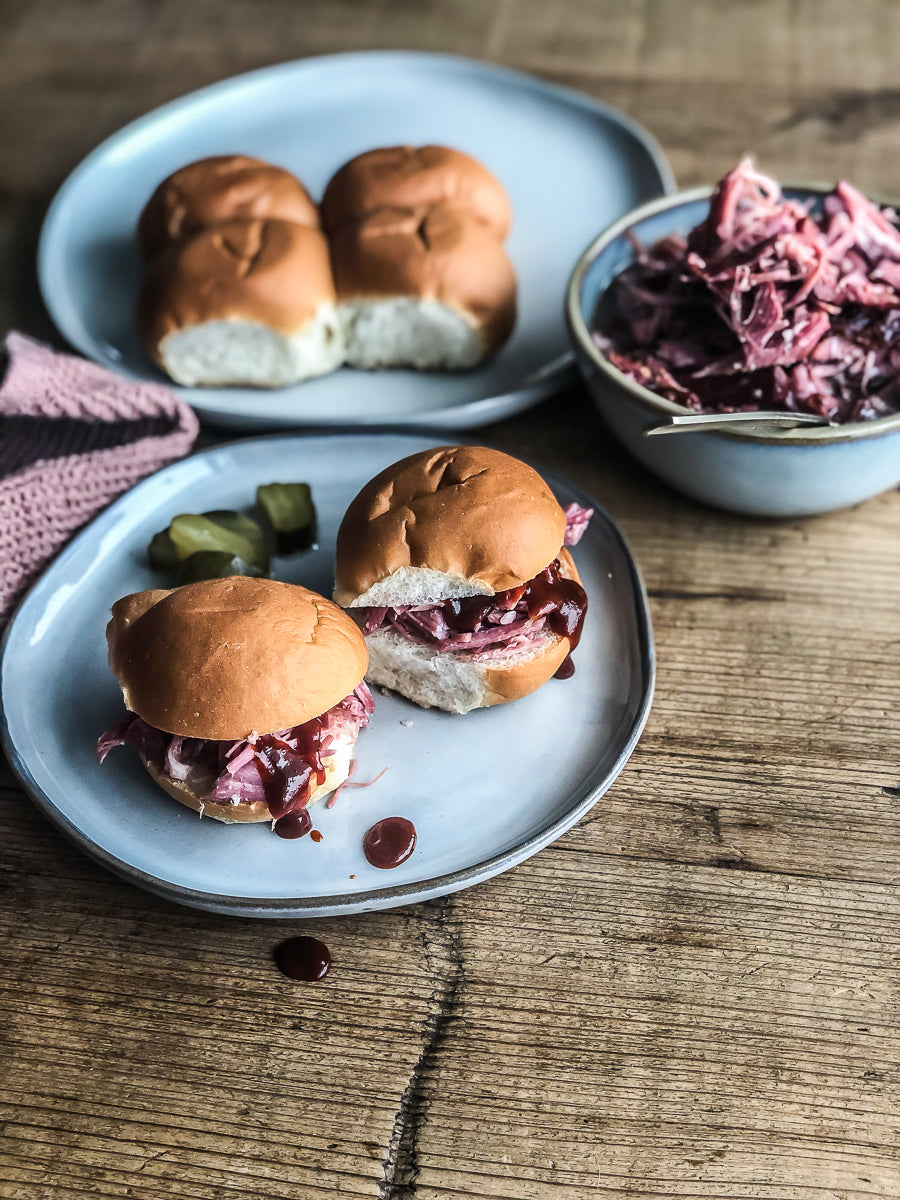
x: 569, y: 163
x: 485, y: 791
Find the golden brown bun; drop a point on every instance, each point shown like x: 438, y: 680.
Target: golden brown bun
x: 465, y: 511
x: 506, y: 681
x: 439, y: 254
x: 219, y: 189
x: 247, y: 812
x: 228, y: 657
x: 272, y: 272
x: 415, y: 177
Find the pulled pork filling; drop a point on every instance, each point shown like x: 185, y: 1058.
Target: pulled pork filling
x: 283, y: 769
x: 527, y: 617
x: 766, y: 305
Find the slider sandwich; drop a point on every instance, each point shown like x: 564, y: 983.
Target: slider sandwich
x: 454, y: 562
x: 245, y: 696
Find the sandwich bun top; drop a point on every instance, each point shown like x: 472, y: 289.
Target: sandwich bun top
x: 439, y: 254
x: 415, y: 177
x: 453, y: 521
x: 219, y: 189
x: 272, y: 272
x: 225, y: 658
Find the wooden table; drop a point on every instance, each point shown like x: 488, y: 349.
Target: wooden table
x: 693, y: 993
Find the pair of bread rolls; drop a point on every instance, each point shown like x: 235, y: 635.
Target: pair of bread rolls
x: 243, y: 287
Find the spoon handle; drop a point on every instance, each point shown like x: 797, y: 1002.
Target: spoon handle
x: 761, y: 422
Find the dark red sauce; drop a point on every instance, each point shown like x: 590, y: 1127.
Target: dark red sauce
x: 294, y: 824
x: 303, y: 958
x: 287, y: 778
x: 562, y: 601
x: 566, y: 668
x: 389, y: 842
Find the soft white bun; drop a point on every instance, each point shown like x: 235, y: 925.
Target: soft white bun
x: 243, y: 302
x: 453, y: 682
x: 219, y: 189
x: 337, y: 769
x: 415, y: 177
x: 453, y: 521
x: 427, y: 288
x: 229, y: 657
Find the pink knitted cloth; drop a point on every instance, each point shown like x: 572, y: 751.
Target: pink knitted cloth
x: 73, y: 437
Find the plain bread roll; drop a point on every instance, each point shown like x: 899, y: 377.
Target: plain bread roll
x: 415, y: 177
x: 244, y: 302
x: 427, y: 288
x: 219, y: 189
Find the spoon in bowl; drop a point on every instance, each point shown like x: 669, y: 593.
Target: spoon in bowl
x: 755, y: 422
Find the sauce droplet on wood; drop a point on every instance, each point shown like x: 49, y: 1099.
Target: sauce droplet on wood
x: 305, y: 959
x: 389, y: 842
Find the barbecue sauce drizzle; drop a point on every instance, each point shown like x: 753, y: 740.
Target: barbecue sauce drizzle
x: 562, y: 601
x: 289, y: 775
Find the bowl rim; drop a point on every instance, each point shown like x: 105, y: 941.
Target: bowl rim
x: 587, y: 348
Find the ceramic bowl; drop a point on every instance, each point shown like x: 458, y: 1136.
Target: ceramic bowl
x: 781, y: 473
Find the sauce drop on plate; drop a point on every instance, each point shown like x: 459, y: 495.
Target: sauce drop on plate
x: 566, y: 668
x: 294, y: 824
x: 305, y: 959
x: 389, y: 842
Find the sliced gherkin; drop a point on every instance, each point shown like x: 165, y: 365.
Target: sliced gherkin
x: 191, y: 533
x: 162, y: 552
x: 246, y: 526
x: 289, y: 510
x: 214, y: 564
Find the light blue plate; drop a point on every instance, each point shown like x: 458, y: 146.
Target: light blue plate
x: 485, y: 791
x: 570, y: 164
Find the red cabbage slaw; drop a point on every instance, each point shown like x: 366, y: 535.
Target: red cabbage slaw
x: 766, y: 305
x: 493, y: 627
x: 282, y: 769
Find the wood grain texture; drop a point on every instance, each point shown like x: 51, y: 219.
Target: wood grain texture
x: 692, y: 994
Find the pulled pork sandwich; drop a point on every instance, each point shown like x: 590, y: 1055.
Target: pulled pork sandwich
x: 454, y: 562
x: 245, y: 696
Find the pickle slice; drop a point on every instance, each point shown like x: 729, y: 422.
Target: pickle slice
x: 191, y: 533
x: 214, y: 564
x: 289, y: 511
x: 246, y: 526
x: 162, y: 553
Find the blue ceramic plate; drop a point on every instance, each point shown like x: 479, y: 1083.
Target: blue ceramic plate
x: 570, y: 164
x: 485, y: 791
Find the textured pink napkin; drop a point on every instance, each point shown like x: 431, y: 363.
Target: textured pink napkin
x: 73, y: 437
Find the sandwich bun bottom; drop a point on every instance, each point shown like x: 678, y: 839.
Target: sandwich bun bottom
x: 453, y: 682
x: 337, y: 770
